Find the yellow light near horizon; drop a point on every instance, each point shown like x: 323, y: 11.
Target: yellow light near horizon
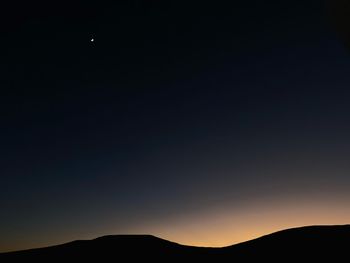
x: 218, y: 226
x: 229, y: 227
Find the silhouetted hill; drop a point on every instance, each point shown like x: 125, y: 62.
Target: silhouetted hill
x: 298, y: 244
x: 119, y: 248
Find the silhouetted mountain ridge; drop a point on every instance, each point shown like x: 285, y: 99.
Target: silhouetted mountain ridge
x: 304, y: 243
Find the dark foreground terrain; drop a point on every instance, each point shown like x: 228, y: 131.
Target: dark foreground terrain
x: 307, y: 243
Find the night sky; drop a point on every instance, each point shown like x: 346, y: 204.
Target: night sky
x: 199, y: 122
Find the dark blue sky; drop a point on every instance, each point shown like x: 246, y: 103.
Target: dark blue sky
x: 177, y: 113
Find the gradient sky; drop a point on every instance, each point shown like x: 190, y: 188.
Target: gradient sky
x: 202, y: 123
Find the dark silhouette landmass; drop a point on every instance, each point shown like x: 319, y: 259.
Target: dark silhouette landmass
x: 298, y: 244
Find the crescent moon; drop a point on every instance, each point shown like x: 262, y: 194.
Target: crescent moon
x: 339, y: 14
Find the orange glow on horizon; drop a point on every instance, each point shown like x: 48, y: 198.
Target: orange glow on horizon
x: 221, y: 226
x: 224, y: 228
